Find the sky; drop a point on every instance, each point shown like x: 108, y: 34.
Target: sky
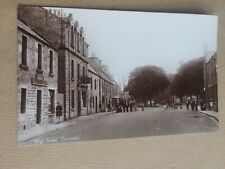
x: 124, y: 40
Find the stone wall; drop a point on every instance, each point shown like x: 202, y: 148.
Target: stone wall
x: 28, y: 118
x: 72, y: 84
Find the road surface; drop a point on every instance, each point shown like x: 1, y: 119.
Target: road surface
x: 151, y: 122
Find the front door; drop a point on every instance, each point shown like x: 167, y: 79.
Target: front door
x: 79, y: 104
x: 96, y: 104
x: 38, y: 118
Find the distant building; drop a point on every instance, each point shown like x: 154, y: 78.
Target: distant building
x: 210, y: 82
x: 102, y: 88
x: 93, y: 90
x: 37, y: 78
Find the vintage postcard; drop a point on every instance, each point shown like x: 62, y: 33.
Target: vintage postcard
x: 86, y: 74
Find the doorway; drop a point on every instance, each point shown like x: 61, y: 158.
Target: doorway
x: 38, y: 119
x: 96, y: 104
x: 79, y: 103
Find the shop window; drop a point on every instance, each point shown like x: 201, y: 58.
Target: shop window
x: 84, y: 99
x: 51, y: 103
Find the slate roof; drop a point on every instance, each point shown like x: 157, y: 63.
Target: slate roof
x: 32, y: 33
x: 101, y: 73
x: 209, y: 55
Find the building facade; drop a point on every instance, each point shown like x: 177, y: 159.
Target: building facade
x: 80, y: 83
x: 210, y: 82
x: 93, y: 91
x: 102, y: 88
x: 37, y: 78
x: 73, y: 71
x: 72, y: 48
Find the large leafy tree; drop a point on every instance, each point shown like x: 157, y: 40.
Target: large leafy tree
x: 147, y: 82
x: 189, y: 79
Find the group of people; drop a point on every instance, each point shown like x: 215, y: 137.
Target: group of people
x: 126, y: 106
x: 193, y: 104
x: 121, y: 106
x: 103, y: 109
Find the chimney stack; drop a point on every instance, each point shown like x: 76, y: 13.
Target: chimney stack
x: 95, y: 59
x: 81, y: 31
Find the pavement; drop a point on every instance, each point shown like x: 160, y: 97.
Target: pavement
x: 40, y: 130
x: 212, y: 114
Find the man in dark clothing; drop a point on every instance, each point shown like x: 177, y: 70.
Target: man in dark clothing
x: 192, y: 105
x: 100, y: 106
x: 196, y: 105
x: 187, y: 104
x: 127, y: 106
x: 123, y: 105
x: 109, y: 106
x: 142, y: 106
x: 131, y: 106
x: 58, y: 110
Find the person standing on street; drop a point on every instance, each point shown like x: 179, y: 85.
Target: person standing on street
x: 142, y: 106
x: 196, y: 105
x: 127, y: 106
x: 100, y: 106
x: 58, y: 111
x: 135, y: 106
x: 109, y: 106
x: 192, y: 104
x: 131, y: 105
x: 211, y: 105
x: 187, y: 104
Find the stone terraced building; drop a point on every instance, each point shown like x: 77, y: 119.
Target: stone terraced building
x: 67, y: 72
x: 37, y: 78
x: 72, y: 55
x: 102, y: 88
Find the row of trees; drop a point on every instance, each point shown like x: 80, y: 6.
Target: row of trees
x: 151, y: 82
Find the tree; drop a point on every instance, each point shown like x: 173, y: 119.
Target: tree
x: 189, y: 80
x: 147, y: 82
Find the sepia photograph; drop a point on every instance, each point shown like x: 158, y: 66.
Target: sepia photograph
x: 91, y: 74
